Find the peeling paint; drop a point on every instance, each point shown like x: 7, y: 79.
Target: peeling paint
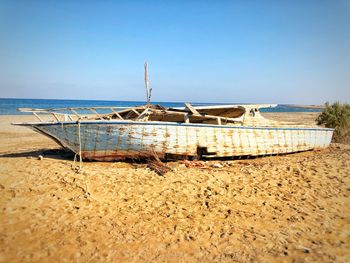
x: 116, y: 140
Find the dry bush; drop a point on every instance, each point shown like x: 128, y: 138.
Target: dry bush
x: 337, y: 116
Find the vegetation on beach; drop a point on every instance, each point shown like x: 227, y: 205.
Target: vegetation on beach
x: 337, y: 116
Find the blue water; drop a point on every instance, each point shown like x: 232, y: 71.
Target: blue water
x: 9, y: 106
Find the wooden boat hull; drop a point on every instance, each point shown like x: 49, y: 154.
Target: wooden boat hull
x: 112, y: 140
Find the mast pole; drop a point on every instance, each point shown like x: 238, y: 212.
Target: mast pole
x: 148, y: 90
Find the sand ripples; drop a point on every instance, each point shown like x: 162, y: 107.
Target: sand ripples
x: 273, y: 208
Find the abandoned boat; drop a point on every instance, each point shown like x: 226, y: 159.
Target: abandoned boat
x: 203, y: 131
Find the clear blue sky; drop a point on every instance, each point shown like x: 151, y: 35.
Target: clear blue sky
x: 199, y: 51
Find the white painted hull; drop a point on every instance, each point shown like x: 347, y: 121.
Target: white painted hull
x: 109, y: 140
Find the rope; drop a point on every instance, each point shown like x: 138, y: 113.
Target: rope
x: 74, y: 167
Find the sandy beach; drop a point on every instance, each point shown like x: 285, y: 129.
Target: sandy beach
x: 290, y: 208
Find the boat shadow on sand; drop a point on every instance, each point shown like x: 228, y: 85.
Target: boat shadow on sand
x: 159, y: 166
x: 58, y: 154
x: 63, y: 154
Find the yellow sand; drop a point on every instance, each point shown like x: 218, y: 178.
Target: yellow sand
x: 282, y: 208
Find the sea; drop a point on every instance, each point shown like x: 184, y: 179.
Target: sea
x: 8, y: 106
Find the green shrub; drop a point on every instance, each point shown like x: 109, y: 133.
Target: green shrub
x: 337, y: 116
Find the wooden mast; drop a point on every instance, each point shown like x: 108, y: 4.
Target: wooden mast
x: 148, y: 89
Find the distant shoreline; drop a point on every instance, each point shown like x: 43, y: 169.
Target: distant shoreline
x: 319, y: 107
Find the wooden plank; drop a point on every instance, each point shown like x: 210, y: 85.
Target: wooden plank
x: 258, y: 106
x: 70, y: 108
x: 191, y: 109
x: 195, y: 115
x: 130, y: 109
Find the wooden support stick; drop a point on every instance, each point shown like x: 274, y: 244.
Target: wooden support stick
x: 116, y: 113
x: 143, y: 114
x: 36, y: 115
x: 187, y: 119
x: 76, y: 113
x: 191, y: 109
x: 138, y: 114
x: 56, y: 117
x: 94, y: 110
x: 219, y: 121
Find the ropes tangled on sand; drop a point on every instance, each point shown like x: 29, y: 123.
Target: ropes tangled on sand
x: 156, y: 165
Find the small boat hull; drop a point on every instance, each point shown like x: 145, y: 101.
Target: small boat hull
x: 113, y: 140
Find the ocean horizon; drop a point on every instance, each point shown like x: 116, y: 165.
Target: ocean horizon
x: 8, y: 106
